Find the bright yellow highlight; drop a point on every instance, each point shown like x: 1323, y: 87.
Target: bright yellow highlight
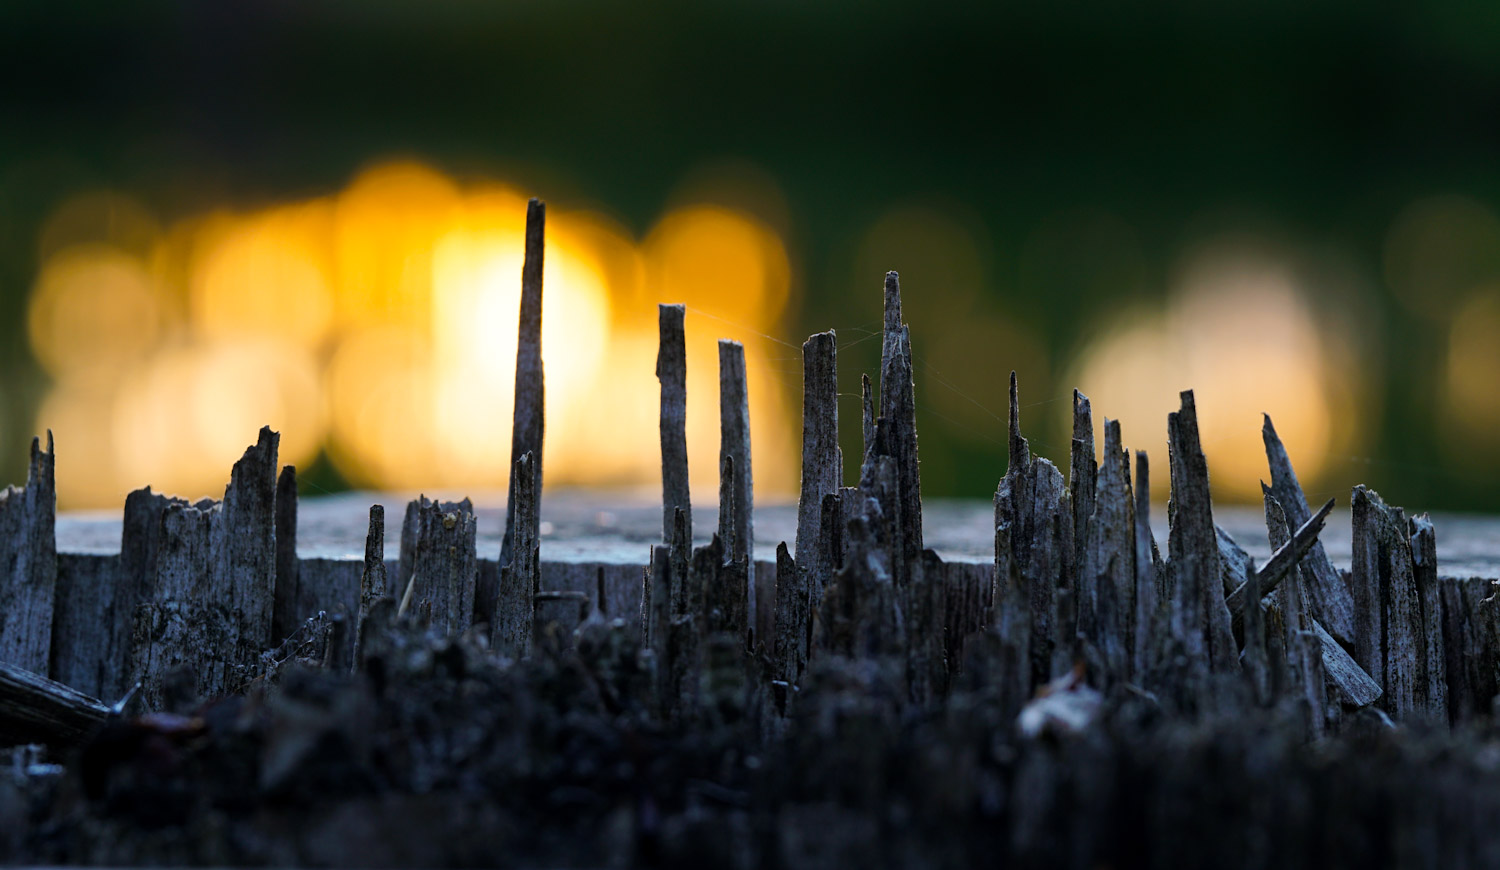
x: 378, y: 326
x: 1239, y: 334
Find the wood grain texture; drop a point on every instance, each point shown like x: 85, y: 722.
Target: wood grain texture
x: 28, y: 563
x: 671, y: 371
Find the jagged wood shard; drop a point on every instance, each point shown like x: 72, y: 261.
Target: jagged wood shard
x: 439, y: 569
x: 736, y: 481
x: 1148, y: 613
x: 822, y: 461
x: 528, y: 417
x: 28, y: 563
x: 1111, y: 557
x: 1201, y: 619
x: 372, y: 580
x: 520, y: 579
x: 209, y: 613
x: 286, y: 615
x: 1424, y: 572
x: 896, y: 424
x: 1390, y: 633
x: 34, y: 709
x: 671, y: 371
x: 1282, y: 563
x: 1329, y: 599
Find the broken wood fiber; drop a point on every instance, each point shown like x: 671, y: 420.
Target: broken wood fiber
x: 736, y: 481
x: 28, y: 563
x: 822, y: 461
x: 439, y: 571
x: 671, y: 371
x: 520, y: 578
x: 1329, y: 598
x: 528, y: 417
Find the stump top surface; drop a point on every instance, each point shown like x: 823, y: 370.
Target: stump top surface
x: 619, y: 527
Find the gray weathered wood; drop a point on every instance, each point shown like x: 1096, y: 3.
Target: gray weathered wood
x: 530, y: 395
x: 83, y: 654
x: 183, y: 636
x: 1328, y: 598
x: 896, y: 425
x: 1282, y: 563
x: 1147, y: 606
x: 520, y: 579
x: 671, y: 371
x: 1200, y: 619
x: 34, y: 709
x: 793, y: 598
x: 737, y: 482
x: 437, y: 552
x: 28, y: 563
x: 1254, y: 658
x: 1389, y: 633
x: 1424, y: 573
x: 822, y: 461
x: 1111, y: 555
x: 1083, y: 472
x: 286, y: 617
x: 245, y: 542
x: 372, y: 579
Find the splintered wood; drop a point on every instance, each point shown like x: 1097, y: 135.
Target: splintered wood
x: 1080, y: 608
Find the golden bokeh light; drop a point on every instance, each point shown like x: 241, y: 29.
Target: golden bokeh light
x: 93, y: 309
x: 719, y: 260
x: 377, y: 326
x: 267, y: 275
x: 1238, y: 332
x: 1470, y: 400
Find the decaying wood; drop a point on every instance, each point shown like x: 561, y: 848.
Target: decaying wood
x: 520, y: 579
x: 34, y: 709
x: 1148, y: 610
x: 286, y: 613
x: 1329, y: 599
x: 28, y: 563
x: 736, y: 480
x: 528, y: 416
x: 822, y: 461
x: 671, y: 371
x: 208, y: 617
x: 439, y: 572
x: 1390, y: 634
x: 1282, y: 563
x: 1424, y: 573
x: 896, y: 423
x: 1199, y: 607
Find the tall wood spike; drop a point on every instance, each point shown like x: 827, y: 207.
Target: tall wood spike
x: 1327, y: 595
x: 736, y: 484
x: 529, y: 415
x: 671, y: 371
x: 822, y: 461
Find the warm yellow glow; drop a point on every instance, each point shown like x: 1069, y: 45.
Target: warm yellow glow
x: 268, y: 275
x: 720, y: 260
x: 93, y: 309
x: 378, y: 325
x: 1238, y: 333
x: 179, y: 420
x: 1471, y: 402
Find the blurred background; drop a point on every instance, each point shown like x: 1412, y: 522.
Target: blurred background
x: 309, y: 214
